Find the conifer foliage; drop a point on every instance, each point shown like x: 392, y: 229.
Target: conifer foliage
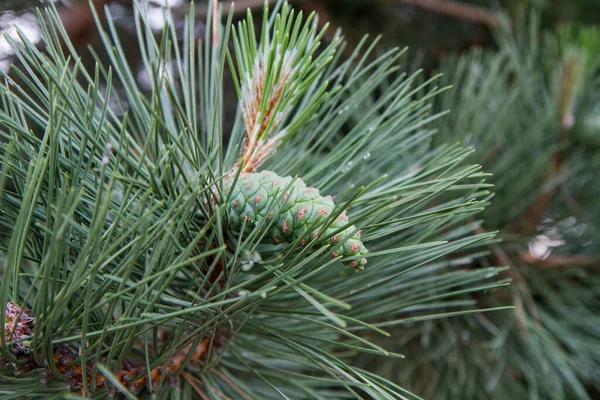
x: 528, y: 109
x: 129, y: 268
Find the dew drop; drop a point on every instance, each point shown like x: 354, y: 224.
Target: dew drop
x: 347, y: 166
x: 343, y: 110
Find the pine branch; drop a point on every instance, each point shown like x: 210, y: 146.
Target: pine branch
x: 459, y: 10
x: 78, y: 21
x: 555, y: 261
x: 20, y: 326
x: 504, y: 259
x: 240, y: 8
x: 510, y: 107
x: 116, y: 204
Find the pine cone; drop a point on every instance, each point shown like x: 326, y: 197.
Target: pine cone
x: 299, y: 213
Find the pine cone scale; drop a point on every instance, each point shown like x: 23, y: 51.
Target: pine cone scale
x: 300, y: 210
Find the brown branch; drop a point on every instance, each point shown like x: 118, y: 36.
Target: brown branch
x: 19, y: 326
x: 556, y: 261
x: 235, y: 387
x: 195, y: 385
x: 215, y: 20
x: 80, y: 25
x: 325, y: 17
x: 170, y: 369
x: 459, y: 10
x: 503, y: 258
x: 79, y: 22
x: 537, y: 209
x: 66, y: 363
x: 239, y: 10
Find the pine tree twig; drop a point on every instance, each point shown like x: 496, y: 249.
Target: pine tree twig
x: 20, y: 325
x: 65, y: 360
x: 555, y: 261
x: 235, y: 387
x: 195, y: 385
x: 239, y: 10
x: 215, y: 26
x: 492, y: 153
x: 141, y: 238
x: 169, y: 369
x: 570, y: 201
x: 78, y: 20
x: 504, y: 259
x: 317, y: 6
x: 538, y: 207
x: 571, y: 78
x: 458, y: 10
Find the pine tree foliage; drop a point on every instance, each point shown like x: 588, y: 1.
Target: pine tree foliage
x: 490, y: 113
x: 121, y: 273
x: 527, y: 110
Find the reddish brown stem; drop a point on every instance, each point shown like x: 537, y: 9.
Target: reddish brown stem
x: 555, y: 261
x: 79, y: 22
x: 504, y: 259
x: 459, y: 10
x: 536, y: 211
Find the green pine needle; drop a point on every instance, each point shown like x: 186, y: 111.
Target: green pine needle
x: 115, y: 237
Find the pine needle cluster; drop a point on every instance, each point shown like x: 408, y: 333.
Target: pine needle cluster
x: 527, y: 109
x: 122, y: 275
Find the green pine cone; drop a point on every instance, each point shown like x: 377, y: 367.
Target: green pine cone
x: 299, y: 211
